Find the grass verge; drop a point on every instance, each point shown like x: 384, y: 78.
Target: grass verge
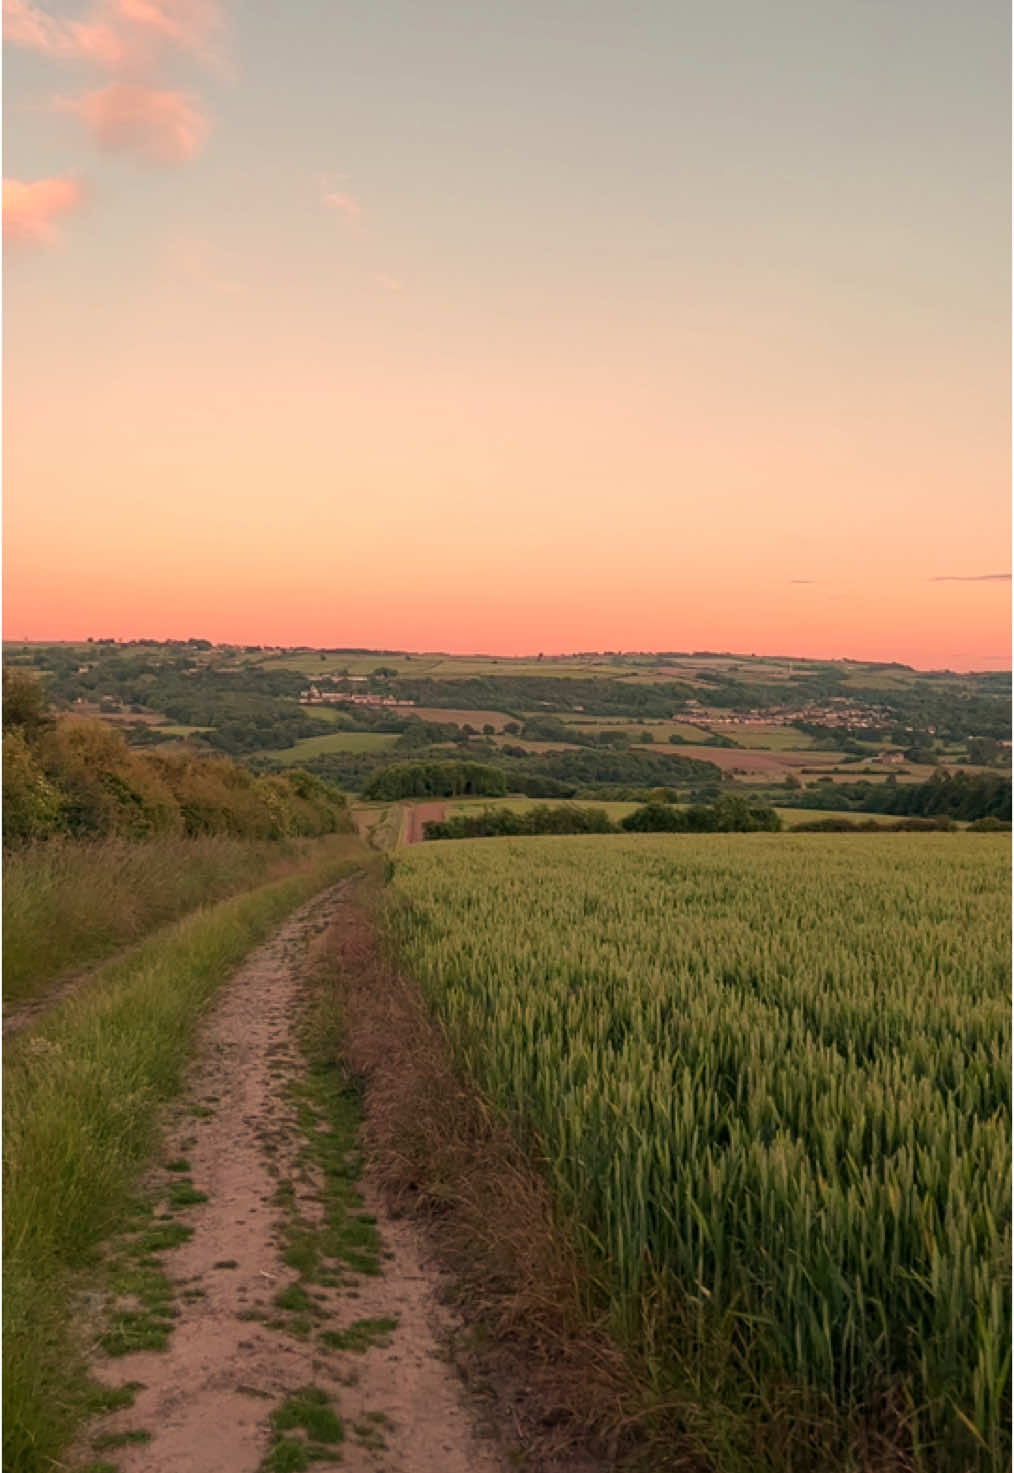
x: 81, y: 1096
x: 70, y: 903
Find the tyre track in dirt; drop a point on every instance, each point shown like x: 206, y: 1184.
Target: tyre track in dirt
x: 207, y: 1400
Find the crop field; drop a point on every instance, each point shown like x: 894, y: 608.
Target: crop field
x: 769, y: 738
x: 335, y: 741
x: 459, y: 717
x: 769, y: 1077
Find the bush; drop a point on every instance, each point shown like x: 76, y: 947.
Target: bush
x: 80, y: 778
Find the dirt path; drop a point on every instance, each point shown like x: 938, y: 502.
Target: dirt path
x: 251, y: 1328
x: 419, y: 814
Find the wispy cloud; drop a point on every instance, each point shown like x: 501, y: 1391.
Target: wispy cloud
x: 93, y: 40
x: 972, y: 578
x: 389, y: 283
x: 155, y: 127
x: 118, y: 34
x: 802, y: 580
x: 195, y: 26
x: 132, y: 40
x: 31, y: 210
x: 345, y: 204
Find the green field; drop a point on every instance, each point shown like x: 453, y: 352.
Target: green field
x: 767, y: 738
x: 769, y: 1077
x: 337, y: 741
x: 326, y: 715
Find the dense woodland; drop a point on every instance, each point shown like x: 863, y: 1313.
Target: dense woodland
x: 960, y: 795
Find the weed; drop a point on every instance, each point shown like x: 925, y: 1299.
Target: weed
x: 309, y: 1408
x: 359, y: 1336
x: 185, y: 1194
x: 120, y: 1439
x: 159, y: 1239
x: 180, y: 1164
x: 101, y: 1399
x: 226, y: 1263
x: 295, y: 1299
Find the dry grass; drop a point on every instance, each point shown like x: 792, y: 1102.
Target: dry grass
x: 70, y: 903
x: 443, y: 1155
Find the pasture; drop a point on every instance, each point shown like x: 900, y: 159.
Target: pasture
x: 769, y: 1077
x: 335, y: 741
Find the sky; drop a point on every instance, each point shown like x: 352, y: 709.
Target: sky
x: 514, y: 326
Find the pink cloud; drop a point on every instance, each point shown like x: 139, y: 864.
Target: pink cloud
x: 117, y: 34
x: 29, y: 210
x: 156, y: 127
x: 389, y: 283
x: 345, y: 204
x: 92, y: 40
x: 191, y: 25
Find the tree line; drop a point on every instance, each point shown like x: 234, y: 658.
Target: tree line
x: 730, y: 814
x: 961, y: 795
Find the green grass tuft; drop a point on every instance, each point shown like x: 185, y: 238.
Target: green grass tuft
x: 359, y: 1336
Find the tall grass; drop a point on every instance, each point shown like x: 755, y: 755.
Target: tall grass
x: 68, y: 903
x: 81, y: 1095
x: 770, y: 1080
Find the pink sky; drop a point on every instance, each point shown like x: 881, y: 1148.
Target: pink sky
x: 314, y: 335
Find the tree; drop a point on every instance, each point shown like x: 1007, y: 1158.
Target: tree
x: 25, y: 707
x: 983, y: 751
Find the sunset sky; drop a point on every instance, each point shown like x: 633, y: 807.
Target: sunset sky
x: 510, y: 326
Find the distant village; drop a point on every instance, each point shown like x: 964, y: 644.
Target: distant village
x: 315, y: 697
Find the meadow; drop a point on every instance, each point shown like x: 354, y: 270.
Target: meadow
x: 768, y: 1078
x: 69, y: 903
x: 336, y: 741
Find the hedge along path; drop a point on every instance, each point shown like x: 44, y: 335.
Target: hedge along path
x: 307, y: 1327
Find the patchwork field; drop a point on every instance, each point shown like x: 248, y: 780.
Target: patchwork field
x: 336, y: 741
x: 462, y: 717
x: 770, y: 1079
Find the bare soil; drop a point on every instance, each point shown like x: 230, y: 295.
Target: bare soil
x: 419, y: 814
x: 207, y: 1400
